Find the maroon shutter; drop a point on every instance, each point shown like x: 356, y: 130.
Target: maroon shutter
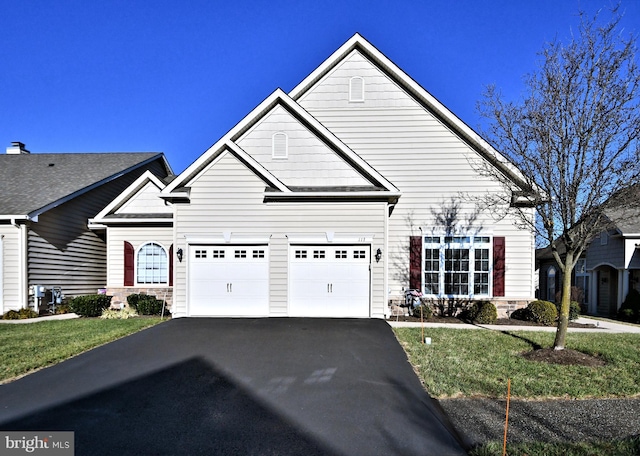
x: 171, y: 265
x: 498, y: 266
x: 129, y: 264
x: 415, y: 262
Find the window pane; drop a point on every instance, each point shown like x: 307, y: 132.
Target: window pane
x: 152, y: 264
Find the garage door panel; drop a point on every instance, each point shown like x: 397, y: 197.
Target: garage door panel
x: 228, y: 280
x: 329, y: 281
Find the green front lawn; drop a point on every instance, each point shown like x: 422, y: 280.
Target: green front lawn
x: 479, y: 362
x: 26, y: 347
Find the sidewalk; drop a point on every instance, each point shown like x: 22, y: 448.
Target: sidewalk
x: 66, y: 316
x: 600, y: 326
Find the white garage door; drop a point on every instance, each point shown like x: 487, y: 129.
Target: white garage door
x: 329, y: 281
x: 228, y: 280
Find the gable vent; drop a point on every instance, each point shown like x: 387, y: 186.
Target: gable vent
x: 356, y: 89
x: 279, y: 149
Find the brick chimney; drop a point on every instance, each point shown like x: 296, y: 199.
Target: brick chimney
x: 16, y: 148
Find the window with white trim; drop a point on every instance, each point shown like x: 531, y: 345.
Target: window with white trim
x: 152, y: 264
x: 356, y: 89
x: 280, y: 145
x: 457, y: 266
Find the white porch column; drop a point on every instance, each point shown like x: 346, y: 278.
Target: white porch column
x: 623, y: 286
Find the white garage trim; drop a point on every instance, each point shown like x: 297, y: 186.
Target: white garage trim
x: 230, y: 280
x: 330, y: 280
x: 1, y: 275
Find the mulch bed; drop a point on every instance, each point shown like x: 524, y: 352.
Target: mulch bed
x: 500, y: 321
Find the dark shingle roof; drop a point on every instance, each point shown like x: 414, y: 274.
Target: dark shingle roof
x: 30, y: 182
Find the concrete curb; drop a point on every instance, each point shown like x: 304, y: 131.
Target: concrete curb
x: 67, y: 316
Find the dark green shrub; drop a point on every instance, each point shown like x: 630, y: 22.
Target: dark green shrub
x: 422, y: 311
x: 20, y: 314
x: 574, y: 310
x: 544, y: 312
x: 89, y: 305
x: 485, y: 312
x: 630, y: 308
x: 521, y: 314
x: 145, y: 304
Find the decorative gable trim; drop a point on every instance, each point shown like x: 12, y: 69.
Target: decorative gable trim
x: 227, y: 142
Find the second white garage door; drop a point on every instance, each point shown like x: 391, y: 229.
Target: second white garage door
x: 329, y: 281
x: 229, y: 280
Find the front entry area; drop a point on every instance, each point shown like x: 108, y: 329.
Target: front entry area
x: 329, y: 280
x: 228, y: 280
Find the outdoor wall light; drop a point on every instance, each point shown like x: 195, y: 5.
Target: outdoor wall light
x: 179, y: 255
x: 378, y: 255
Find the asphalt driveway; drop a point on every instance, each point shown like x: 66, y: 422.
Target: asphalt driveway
x: 237, y: 386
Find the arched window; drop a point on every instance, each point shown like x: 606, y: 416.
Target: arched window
x: 356, y: 89
x: 151, y: 264
x: 551, y: 284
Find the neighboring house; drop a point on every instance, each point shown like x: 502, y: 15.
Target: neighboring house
x: 608, y: 268
x: 331, y: 200
x: 138, y: 227
x: 45, y: 201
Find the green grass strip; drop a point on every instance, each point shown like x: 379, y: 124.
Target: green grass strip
x: 626, y: 447
x: 479, y: 362
x: 26, y: 347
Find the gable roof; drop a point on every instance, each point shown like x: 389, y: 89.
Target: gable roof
x: 31, y: 184
x: 110, y: 213
x: 424, y: 98
x: 176, y: 189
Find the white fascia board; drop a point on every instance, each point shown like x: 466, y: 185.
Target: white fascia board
x: 302, y: 195
x: 357, y: 42
x: 262, y: 172
x: 129, y: 192
x: 15, y: 217
x: 204, y: 159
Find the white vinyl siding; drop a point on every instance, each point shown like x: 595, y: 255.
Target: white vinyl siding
x: 145, y: 201
x: 137, y: 236
x: 432, y: 167
x: 13, y: 295
x: 228, y: 198
x: 310, y: 162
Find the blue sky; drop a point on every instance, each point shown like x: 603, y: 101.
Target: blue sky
x: 174, y: 76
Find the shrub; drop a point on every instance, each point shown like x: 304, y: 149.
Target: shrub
x: 544, y: 312
x: 89, y: 305
x: 145, y: 304
x: 118, y: 314
x: 521, y: 314
x: 21, y: 314
x: 485, y: 312
x: 630, y: 308
x: 574, y: 310
x: 422, y: 311
x: 62, y: 309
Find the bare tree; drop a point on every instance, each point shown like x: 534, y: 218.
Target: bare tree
x: 575, y: 136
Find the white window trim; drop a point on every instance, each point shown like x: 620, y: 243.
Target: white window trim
x: 470, y: 245
x: 360, y: 98
x: 273, y: 146
x: 135, y: 263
